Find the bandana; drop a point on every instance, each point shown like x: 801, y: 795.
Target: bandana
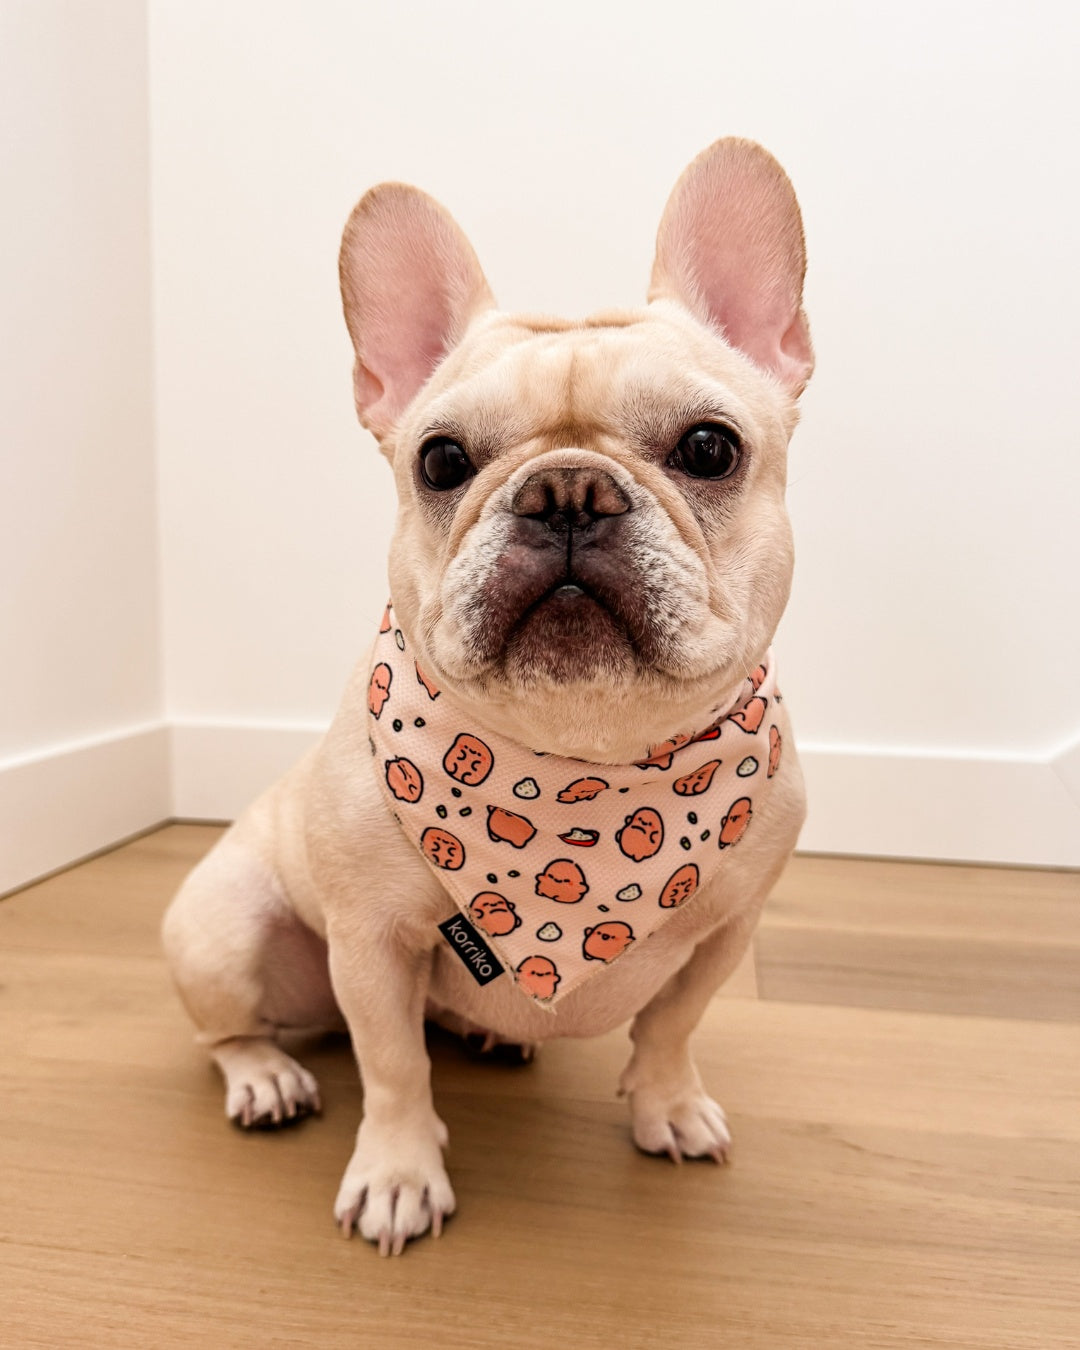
x: 558, y: 866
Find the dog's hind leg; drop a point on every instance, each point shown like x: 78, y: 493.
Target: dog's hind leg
x: 247, y: 968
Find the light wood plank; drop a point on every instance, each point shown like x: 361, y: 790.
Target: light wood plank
x: 946, y: 900
x: 928, y: 937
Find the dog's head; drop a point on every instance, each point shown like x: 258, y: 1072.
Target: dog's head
x: 592, y: 540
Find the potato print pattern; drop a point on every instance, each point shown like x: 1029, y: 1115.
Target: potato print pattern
x: 565, y: 867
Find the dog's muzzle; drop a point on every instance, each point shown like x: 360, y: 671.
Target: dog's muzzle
x: 565, y: 598
x: 565, y: 519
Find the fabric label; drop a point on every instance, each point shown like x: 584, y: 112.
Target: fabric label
x: 477, y: 957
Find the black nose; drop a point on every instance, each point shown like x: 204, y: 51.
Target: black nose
x: 569, y: 499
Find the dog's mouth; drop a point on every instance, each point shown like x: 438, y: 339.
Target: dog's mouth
x: 570, y: 602
x: 567, y: 624
x: 568, y: 634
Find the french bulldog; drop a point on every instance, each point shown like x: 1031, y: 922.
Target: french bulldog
x: 591, y: 557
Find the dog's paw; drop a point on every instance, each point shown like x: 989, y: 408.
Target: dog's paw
x: 684, y: 1123
x: 265, y: 1087
x: 395, y: 1187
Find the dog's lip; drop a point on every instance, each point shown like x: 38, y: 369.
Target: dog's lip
x: 569, y: 591
x: 572, y: 599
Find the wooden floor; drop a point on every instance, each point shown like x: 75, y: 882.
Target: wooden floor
x: 901, y: 1070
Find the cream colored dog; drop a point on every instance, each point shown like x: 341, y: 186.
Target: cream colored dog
x: 314, y: 906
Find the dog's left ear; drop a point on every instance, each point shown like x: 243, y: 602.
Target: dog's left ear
x: 730, y: 248
x: 410, y: 284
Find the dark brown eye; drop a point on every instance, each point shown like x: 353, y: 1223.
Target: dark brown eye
x: 707, y: 451
x: 444, y: 464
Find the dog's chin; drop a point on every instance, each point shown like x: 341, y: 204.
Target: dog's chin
x: 569, y: 637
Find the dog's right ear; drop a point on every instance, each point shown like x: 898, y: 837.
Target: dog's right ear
x: 410, y: 284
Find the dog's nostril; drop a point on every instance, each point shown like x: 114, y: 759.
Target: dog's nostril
x: 569, y: 498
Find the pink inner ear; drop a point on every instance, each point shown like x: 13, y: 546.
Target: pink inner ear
x: 766, y: 332
x: 410, y: 284
x: 730, y: 248
x: 407, y: 328
x: 400, y: 348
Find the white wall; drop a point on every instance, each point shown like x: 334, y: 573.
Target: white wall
x: 934, y: 481
x: 81, y: 755
x: 931, y: 648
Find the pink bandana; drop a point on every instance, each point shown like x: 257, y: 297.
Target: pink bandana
x: 560, y: 866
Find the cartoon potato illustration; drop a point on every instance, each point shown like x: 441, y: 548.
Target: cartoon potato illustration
x: 776, y: 745
x: 538, y: 976
x: 442, y: 848
x: 508, y: 827
x: 642, y: 834
x: 404, y: 780
x: 468, y: 760
x: 606, y: 941
x: 693, y: 784
x: 757, y: 677
x: 749, y: 719
x: 562, y: 880
x: 384, y: 627
x: 379, y: 688
x: 494, y: 914
x: 680, y: 886
x: 421, y: 678
x: 660, y: 755
x: 733, y: 826
x: 582, y: 790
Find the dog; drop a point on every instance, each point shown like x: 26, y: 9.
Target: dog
x: 591, y: 556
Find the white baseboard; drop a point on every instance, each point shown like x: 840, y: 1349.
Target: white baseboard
x: 951, y: 808
x: 1067, y: 767
x: 68, y: 801
x: 218, y: 768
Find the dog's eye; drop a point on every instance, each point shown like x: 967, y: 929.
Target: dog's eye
x: 707, y: 451
x: 444, y: 464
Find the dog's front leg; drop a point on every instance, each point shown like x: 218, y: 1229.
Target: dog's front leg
x: 395, y: 1186
x: 670, y: 1110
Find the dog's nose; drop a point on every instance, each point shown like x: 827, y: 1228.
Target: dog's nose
x: 569, y: 498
